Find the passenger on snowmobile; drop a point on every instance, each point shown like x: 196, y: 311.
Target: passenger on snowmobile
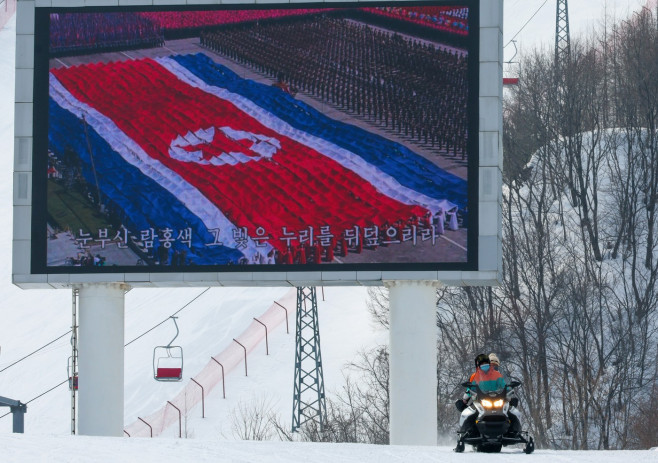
x: 494, y: 361
x: 514, y: 413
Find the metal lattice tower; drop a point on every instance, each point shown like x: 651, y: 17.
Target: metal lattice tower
x: 308, y: 402
x: 562, y: 42
x: 562, y: 60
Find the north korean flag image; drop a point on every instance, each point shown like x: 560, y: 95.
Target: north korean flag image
x: 232, y: 171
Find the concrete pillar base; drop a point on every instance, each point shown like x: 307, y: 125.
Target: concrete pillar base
x: 100, y: 359
x: 412, y: 362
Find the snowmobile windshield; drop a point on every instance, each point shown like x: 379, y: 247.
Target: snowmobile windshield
x: 496, y: 387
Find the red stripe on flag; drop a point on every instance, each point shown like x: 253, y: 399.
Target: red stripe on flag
x: 296, y: 188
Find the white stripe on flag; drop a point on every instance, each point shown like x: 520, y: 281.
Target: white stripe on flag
x: 132, y: 153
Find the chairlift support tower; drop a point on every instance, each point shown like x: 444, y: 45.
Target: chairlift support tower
x: 562, y: 40
x: 562, y: 59
x: 308, y: 402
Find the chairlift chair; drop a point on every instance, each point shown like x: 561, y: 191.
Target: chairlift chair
x: 73, y: 378
x: 512, y: 79
x: 168, y: 360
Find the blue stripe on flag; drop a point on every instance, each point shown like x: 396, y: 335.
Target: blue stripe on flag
x: 410, y: 169
x: 142, y: 202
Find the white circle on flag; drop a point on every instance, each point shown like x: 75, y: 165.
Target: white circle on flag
x: 190, y: 147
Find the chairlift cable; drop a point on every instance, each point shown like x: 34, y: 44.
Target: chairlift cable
x: 42, y: 394
x: 46, y: 392
x: 32, y: 353
x: 163, y: 321
x: 526, y: 23
x: 125, y: 345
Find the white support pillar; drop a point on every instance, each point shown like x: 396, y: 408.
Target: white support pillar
x: 412, y: 362
x: 100, y: 356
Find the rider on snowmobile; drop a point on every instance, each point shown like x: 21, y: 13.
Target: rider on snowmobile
x: 488, y: 378
x: 482, y: 359
x: 479, y: 360
x: 482, y: 373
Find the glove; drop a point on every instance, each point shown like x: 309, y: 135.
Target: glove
x: 460, y: 404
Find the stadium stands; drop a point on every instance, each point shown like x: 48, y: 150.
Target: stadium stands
x: 447, y: 19
x: 86, y: 33
x: 172, y: 20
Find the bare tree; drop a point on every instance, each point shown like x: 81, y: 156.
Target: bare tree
x: 377, y: 304
x: 576, y: 316
x: 253, y: 420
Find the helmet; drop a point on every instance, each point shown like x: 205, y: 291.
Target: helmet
x: 493, y: 358
x: 480, y: 359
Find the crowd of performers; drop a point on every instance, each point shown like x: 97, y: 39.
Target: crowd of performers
x: 94, y: 32
x: 412, y: 88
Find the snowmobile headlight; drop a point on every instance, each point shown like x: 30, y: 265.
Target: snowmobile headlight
x: 486, y: 403
x: 498, y: 403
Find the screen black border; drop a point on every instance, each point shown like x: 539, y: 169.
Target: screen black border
x: 40, y: 145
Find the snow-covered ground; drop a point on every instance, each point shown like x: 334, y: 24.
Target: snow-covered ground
x: 29, y: 319
x: 96, y: 449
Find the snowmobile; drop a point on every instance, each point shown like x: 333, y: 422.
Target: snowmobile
x: 486, y: 423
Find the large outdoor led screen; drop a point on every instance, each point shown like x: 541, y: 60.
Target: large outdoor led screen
x: 256, y: 138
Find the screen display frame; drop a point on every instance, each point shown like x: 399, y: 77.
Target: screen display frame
x: 346, y: 273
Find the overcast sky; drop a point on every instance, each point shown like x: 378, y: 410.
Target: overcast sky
x: 584, y: 15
